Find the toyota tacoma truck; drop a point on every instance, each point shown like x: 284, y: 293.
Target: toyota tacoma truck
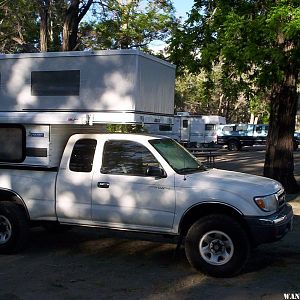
x: 146, y: 184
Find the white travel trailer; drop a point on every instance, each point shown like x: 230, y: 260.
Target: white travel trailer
x: 46, y: 97
x: 190, y: 130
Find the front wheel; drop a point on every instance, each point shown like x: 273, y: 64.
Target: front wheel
x: 217, y: 245
x: 14, y: 228
x: 295, y: 146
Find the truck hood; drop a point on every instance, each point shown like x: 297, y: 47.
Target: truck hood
x: 245, y: 185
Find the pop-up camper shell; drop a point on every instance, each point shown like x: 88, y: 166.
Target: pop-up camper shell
x: 46, y: 97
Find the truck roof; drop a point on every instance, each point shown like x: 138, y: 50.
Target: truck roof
x: 125, y: 136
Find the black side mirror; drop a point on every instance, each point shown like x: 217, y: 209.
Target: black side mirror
x: 156, y: 172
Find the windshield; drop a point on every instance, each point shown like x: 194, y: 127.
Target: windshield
x: 177, y: 156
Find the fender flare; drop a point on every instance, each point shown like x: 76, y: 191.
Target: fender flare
x: 12, y: 196
x: 204, y: 208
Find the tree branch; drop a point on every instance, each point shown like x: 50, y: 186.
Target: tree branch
x: 84, y: 9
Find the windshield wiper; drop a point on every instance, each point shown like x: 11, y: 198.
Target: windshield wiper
x: 191, y: 170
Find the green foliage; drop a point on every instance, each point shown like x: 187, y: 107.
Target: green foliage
x: 111, y: 24
x: 254, y: 43
x: 124, y: 128
x: 134, y: 24
x: 19, y: 29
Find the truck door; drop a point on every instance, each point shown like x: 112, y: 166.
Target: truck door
x: 73, y: 188
x: 124, y: 196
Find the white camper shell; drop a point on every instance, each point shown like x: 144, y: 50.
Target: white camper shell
x: 190, y: 130
x: 46, y: 97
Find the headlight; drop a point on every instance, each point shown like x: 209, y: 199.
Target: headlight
x: 267, y: 203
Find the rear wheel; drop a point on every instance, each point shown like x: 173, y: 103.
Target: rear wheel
x: 217, y: 245
x: 234, y: 145
x: 14, y: 228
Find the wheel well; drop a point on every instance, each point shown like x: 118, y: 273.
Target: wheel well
x: 10, y: 196
x: 201, y: 210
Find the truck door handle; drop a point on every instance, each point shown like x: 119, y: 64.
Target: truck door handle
x: 103, y: 185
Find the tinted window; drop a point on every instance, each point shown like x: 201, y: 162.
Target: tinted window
x: 259, y: 129
x: 12, y: 143
x: 126, y: 157
x: 83, y: 155
x: 229, y: 128
x: 55, y: 83
x: 242, y: 127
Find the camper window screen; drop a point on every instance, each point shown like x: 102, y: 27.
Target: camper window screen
x: 12, y: 141
x: 55, y: 83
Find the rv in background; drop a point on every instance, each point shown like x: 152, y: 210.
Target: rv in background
x: 190, y: 130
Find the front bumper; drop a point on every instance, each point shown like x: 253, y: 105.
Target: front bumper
x: 271, y: 228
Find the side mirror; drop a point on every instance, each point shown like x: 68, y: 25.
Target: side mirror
x: 156, y: 172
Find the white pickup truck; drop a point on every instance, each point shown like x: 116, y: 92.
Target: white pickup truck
x: 146, y: 184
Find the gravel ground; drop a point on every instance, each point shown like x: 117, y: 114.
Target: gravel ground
x: 90, y: 264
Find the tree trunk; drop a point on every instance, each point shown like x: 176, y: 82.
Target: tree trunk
x: 44, y: 30
x: 44, y: 12
x: 74, y: 15
x: 71, y: 14
x: 279, y: 160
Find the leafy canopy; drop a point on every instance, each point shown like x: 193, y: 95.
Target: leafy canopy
x: 129, y: 24
x: 256, y: 39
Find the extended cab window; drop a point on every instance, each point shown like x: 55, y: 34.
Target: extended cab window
x: 126, y: 157
x: 83, y: 155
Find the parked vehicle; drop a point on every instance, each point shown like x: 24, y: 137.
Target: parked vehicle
x: 236, y: 136
x: 190, y: 130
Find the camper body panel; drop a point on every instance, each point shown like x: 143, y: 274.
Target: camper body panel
x: 120, y: 80
x: 42, y: 145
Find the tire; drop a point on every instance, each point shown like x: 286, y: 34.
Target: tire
x: 234, y: 145
x: 14, y: 228
x: 217, y: 245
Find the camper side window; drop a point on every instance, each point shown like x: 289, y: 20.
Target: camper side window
x: 12, y: 141
x: 55, y: 83
x: 82, y: 156
x: 210, y: 127
x: 165, y: 127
